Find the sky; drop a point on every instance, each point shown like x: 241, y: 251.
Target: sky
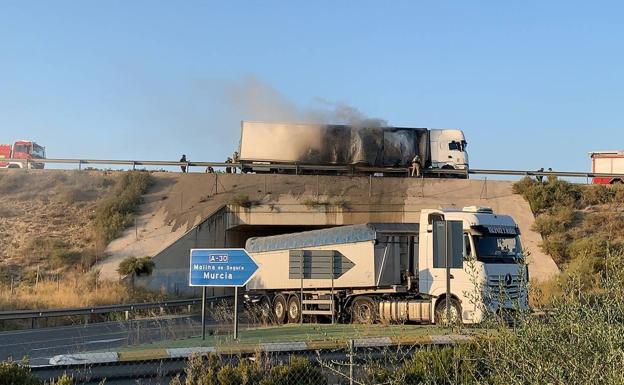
x: 531, y: 83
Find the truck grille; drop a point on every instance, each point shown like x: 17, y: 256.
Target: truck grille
x: 499, y: 289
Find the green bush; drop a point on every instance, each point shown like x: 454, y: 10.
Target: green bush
x: 64, y: 380
x: 543, y: 196
x: 210, y: 370
x: 556, y: 245
x: 446, y: 366
x: 14, y: 373
x: 298, y: 371
x: 598, y: 194
x: 136, y: 266
x: 50, y: 250
x: 114, y: 213
x: 556, y: 222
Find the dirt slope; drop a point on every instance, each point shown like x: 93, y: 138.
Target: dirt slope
x: 45, y: 218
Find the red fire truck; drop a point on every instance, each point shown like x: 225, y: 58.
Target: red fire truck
x: 607, y: 162
x: 27, y: 150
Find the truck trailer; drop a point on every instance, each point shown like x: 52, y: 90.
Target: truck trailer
x: 26, y: 151
x: 265, y: 146
x: 607, y: 162
x: 387, y: 272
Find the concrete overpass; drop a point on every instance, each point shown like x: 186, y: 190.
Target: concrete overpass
x: 223, y: 210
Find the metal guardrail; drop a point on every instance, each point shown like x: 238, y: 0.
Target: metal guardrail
x: 32, y: 314
x: 309, y: 167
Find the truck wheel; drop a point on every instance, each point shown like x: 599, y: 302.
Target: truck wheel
x: 441, y: 316
x: 279, y: 309
x: 364, y: 311
x: 294, y: 309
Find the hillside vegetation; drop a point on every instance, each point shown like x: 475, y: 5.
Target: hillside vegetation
x: 55, y: 226
x: 581, y: 226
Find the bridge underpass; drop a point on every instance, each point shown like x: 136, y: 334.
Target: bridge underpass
x: 224, y: 210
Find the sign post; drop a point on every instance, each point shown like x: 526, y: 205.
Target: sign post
x: 220, y: 268
x: 448, y: 252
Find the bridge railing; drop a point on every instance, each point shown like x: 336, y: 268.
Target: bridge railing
x: 298, y: 168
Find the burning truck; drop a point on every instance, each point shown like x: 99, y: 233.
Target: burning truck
x: 265, y: 146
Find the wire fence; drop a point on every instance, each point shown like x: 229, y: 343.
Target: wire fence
x: 344, y: 365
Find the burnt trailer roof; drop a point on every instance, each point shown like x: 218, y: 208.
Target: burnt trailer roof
x: 331, y: 236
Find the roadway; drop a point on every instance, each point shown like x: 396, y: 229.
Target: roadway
x: 39, y: 345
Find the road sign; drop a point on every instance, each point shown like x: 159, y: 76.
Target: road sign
x: 221, y: 267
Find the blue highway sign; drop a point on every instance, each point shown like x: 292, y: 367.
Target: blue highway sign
x: 221, y: 267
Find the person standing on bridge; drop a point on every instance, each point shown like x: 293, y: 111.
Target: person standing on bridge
x: 183, y: 166
x: 235, y: 159
x: 540, y: 178
x: 228, y: 169
x: 416, y: 166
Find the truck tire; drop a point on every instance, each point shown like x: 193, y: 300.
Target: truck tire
x: 279, y: 309
x: 441, y: 316
x: 294, y: 309
x: 364, y: 311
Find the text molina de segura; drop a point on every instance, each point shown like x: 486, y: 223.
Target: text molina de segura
x: 217, y: 271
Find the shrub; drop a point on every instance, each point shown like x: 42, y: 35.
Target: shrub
x: 579, y: 343
x: 598, y: 194
x: 210, y: 370
x: 136, y: 266
x: 450, y: 365
x: 555, y: 222
x: 298, y: 371
x: 543, y: 196
x: 13, y: 373
x: 114, y: 213
x: 50, y: 249
x: 556, y: 245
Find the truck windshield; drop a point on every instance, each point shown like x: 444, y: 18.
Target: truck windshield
x: 38, y: 151
x: 497, y: 249
x: 22, y: 149
x: 458, y: 146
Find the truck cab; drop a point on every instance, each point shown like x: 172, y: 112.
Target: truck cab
x: 448, y: 149
x: 493, y: 275
x: 26, y: 150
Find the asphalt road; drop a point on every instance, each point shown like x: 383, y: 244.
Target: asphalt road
x: 39, y: 345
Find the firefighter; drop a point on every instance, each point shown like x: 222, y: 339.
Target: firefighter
x: 183, y: 166
x: 416, y: 166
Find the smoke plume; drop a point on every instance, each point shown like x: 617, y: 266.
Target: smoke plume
x: 254, y: 99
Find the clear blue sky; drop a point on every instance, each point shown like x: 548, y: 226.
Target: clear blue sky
x: 532, y: 83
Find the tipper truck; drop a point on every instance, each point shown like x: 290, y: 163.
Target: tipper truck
x: 387, y: 272
x: 265, y: 146
x: 26, y: 151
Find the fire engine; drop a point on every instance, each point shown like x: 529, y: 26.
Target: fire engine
x: 27, y: 151
x: 607, y: 162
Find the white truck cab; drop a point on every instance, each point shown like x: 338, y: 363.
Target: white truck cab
x: 448, y: 149
x: 493, y: 276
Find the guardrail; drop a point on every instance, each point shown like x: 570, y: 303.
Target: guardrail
x: 349, y: 169
x: 47, y: 313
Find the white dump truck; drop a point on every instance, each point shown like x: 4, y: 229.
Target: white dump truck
x: 268, y: 146
x: 387, y: 271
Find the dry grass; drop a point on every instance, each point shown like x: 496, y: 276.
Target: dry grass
x: 72, y: 290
